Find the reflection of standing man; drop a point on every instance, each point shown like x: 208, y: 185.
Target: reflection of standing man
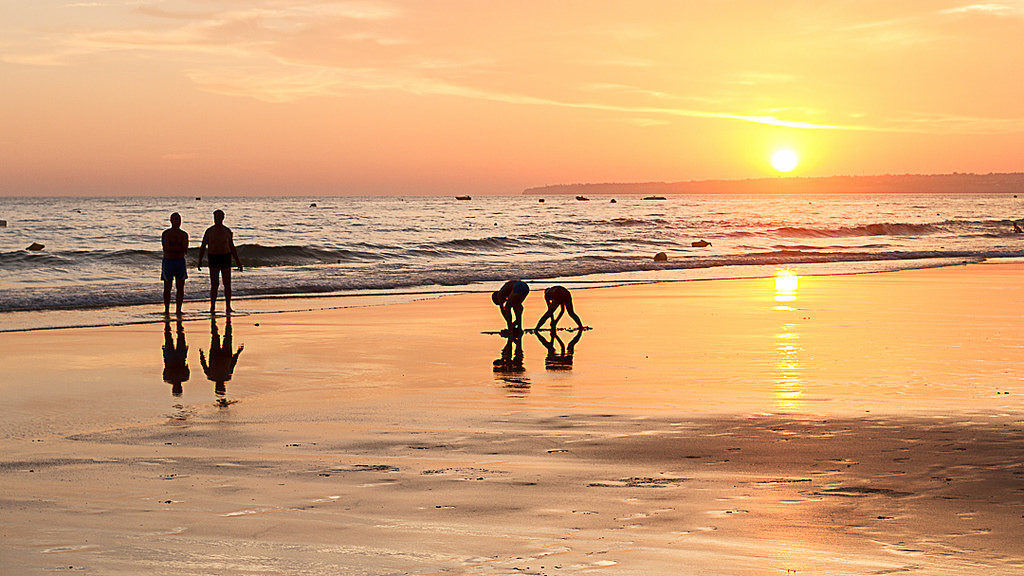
x: 175, y: 358
x: 222, y: 362
x: 220, y: 241
x: 173, y: 267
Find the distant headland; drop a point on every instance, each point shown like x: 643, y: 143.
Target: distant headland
x: 955, y: 183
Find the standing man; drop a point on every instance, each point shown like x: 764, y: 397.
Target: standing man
x: 173, y: 268
x: 220, y: 241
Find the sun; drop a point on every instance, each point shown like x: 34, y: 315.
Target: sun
x: 785, y: 160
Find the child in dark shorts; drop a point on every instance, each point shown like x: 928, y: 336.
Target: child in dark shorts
x: 509, y: 298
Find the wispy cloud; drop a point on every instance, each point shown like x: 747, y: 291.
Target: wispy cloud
x: 991, y: 9
x: 939, y: 123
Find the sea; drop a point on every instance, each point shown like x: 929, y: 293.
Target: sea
x: 100, y: 261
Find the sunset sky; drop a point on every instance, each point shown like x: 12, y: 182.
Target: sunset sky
x: 444, y: 96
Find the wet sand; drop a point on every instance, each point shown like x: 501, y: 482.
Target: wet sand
x: 868, y: 424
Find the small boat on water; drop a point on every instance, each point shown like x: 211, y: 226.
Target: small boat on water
x: 654, y: 197
x: 581, y: 198
x: 463, y: 197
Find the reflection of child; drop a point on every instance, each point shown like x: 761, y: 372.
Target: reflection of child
x: 560, y: 358
x: 511, y: 360
x: 558, y: 298
x: 510, y: 299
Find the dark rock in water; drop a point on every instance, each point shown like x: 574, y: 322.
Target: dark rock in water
x: 540, y: 199
x: 198, y: 198
x: 312, y: 205
x: 613, y: 201
x: 660, y: 257
x: 3, y: 223
x: 35, y: 246
x: 700, y: 244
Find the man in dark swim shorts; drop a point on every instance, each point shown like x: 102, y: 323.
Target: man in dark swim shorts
x: 173, y: 268
x: 220, y: 241
x: 510, y: 299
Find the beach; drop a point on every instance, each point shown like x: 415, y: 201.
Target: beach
x: 857, y: 424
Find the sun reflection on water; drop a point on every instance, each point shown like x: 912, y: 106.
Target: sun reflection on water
x: 788, y: 383
x: 786, y: 284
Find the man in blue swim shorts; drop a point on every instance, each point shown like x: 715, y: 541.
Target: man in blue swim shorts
x: 173, y: 267
x: 510, y: 299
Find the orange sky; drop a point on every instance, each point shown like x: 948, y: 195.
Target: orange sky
x: 444, y: 96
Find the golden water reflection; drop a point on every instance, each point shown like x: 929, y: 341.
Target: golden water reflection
x: 789, y: 386
x: 786, y: 285
x: 788, y: 383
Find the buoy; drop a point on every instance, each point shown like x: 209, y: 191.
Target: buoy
x: 35, y: 246
x: 700, y: 244
x: 660, y: 257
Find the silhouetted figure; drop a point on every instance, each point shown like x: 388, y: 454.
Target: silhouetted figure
x: 509, y: 366
x: 559, y: 358
x: 511, y: 360
x: 509, y: 298
x: 175, y: 357
x: 558, y: 298
x: 222, y: 361
x: 221, y: 244
x: 174, y: 268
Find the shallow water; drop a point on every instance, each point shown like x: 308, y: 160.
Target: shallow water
x: 103, y: 253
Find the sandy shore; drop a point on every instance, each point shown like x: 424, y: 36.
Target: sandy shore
x: 867, y: 424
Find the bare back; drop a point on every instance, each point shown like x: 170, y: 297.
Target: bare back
x: 175, y: 243
x: 218, y: 239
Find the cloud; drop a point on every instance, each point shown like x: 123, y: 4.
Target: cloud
x: 279, y: 86
x: 284, y: 51
x: 990, y: 9
x: 939, y: 123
